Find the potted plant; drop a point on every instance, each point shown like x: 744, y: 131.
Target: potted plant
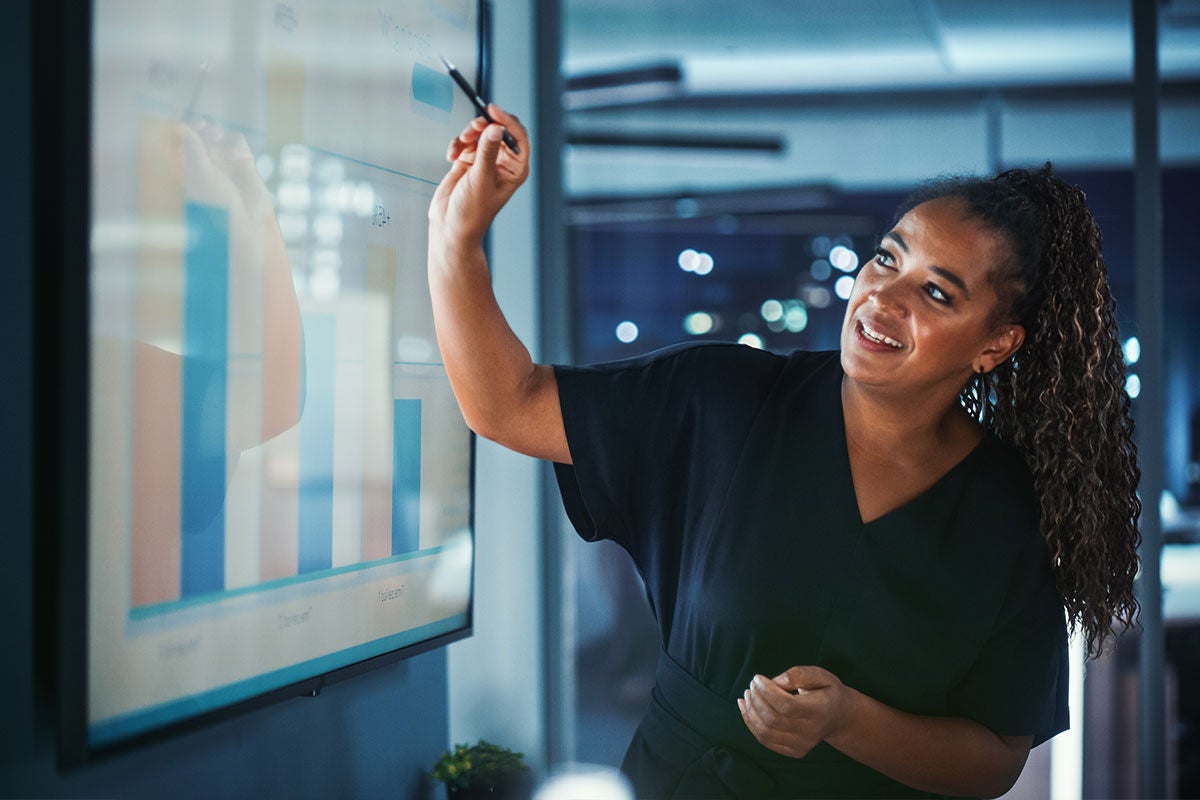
x: 483, y: 770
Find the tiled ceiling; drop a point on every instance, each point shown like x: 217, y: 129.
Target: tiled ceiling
x: 771, y: 46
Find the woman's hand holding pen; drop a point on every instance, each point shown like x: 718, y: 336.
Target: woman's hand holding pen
x: 484, y: 175
x: 794, y: 712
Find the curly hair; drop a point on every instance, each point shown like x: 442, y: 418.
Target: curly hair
x: 1060, y: 400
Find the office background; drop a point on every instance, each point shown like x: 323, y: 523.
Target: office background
x: 751, y: 138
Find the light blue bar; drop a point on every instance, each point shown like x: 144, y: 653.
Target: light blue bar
x: 204, y: 375
x: 126, y: 725
x: 406, y: 476
x: 315, y: 546
x: 433, y: 88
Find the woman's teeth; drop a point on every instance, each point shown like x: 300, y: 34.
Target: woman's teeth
x: 876, y: 336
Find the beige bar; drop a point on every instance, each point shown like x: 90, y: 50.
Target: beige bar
x: 379, y: 347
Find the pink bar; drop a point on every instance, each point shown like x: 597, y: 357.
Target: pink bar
x: 155, y: 571
x: 156, y: 478
x: 281, y: 337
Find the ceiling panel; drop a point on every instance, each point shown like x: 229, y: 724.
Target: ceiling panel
x: 804, y: 46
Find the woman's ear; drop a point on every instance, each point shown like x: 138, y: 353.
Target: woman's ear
x: 1006, y: 341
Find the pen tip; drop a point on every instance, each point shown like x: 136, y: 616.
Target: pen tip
x: 444, y: 61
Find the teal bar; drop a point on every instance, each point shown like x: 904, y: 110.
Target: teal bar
x: 315, y: 545
x: 433, y: 88
x: 203, y: 379
x: 406, y: 476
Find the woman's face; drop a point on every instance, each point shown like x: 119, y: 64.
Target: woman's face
x: 922, y: 312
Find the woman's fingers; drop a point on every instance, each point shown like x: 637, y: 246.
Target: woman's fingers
x: 488, y: 150
x: 466, y: 139
x: 470, y: 136
x: 441, y: 196
x: 512, y: 124
x: 769, y: 728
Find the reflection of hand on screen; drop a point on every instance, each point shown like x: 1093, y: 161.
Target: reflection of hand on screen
x: 229, y: 379
x: 214, y: 167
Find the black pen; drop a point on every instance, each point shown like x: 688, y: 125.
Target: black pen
x: 479, y: 102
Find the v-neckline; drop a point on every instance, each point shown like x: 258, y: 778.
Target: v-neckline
x: 844, y: 449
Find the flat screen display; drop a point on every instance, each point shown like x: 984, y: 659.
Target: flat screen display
x: 279, y: 476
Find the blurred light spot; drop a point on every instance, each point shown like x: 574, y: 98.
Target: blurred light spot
x: 843, y: 258
x: 820, y: 246
x: 327, y: 227
x: 698, y: 323
x: 776, y: 326
x: 294, y: 196
x: 752, y: 339
x: 364, y: 199
x: 687, y: 207
x: 585, y: 782
x: 704, y: 264
x: 331, y: 170
x: 772, y: 311
x: 627, y: 332
x: 817, y: 296
x: 324, y: 284
x: 1133, y: 385
x: 338, y: 197
x: 265, y: 166
x: 327, y: 259
x: 688, y: 259
x: 796, y: 317
x: 295, y: 162
x: 843, y: 287
x: 1133, y: 350
x: 820, y: 269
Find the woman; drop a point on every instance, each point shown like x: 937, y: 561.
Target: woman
x: 860, y: 560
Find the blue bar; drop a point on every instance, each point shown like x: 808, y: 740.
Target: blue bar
x: 315, y: 546
x: 203, y: 379
x: 433, y: 88
x: 406, y: 476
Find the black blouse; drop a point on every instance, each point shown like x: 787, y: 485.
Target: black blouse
x: 723, y: 471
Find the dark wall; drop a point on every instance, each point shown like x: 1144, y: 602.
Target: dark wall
x: 370, y: 736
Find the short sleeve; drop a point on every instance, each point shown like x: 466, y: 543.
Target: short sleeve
x: 1018, y: 685
x: 653, y: 439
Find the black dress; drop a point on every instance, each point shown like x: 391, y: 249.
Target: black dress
x: 723, y: 471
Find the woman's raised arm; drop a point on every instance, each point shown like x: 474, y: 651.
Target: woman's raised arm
x: 503, y: 395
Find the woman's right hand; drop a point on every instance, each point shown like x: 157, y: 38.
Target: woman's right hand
x: 484, y: 175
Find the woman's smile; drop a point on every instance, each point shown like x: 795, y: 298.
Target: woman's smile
x: 875, y: 339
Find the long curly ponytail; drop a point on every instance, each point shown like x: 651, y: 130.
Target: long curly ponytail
x: 1061, y: 400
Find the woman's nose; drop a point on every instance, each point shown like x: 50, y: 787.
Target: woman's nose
x: 890, y: 298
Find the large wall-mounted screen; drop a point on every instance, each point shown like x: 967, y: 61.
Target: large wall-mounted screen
x: 279, y: 476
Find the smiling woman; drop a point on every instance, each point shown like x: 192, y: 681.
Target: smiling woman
x: 880, y: 542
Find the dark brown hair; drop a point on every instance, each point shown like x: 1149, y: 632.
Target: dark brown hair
x: 1061, y: 399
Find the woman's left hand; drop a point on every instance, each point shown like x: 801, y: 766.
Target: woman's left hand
x: 795, y: 711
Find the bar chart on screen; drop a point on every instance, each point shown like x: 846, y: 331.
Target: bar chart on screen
x: 280, y: 476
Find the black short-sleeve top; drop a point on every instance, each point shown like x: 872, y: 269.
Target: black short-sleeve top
x: 723, y: 471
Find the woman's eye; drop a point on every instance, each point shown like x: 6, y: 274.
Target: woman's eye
x: 937, y: 294
x: 884, y: 258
